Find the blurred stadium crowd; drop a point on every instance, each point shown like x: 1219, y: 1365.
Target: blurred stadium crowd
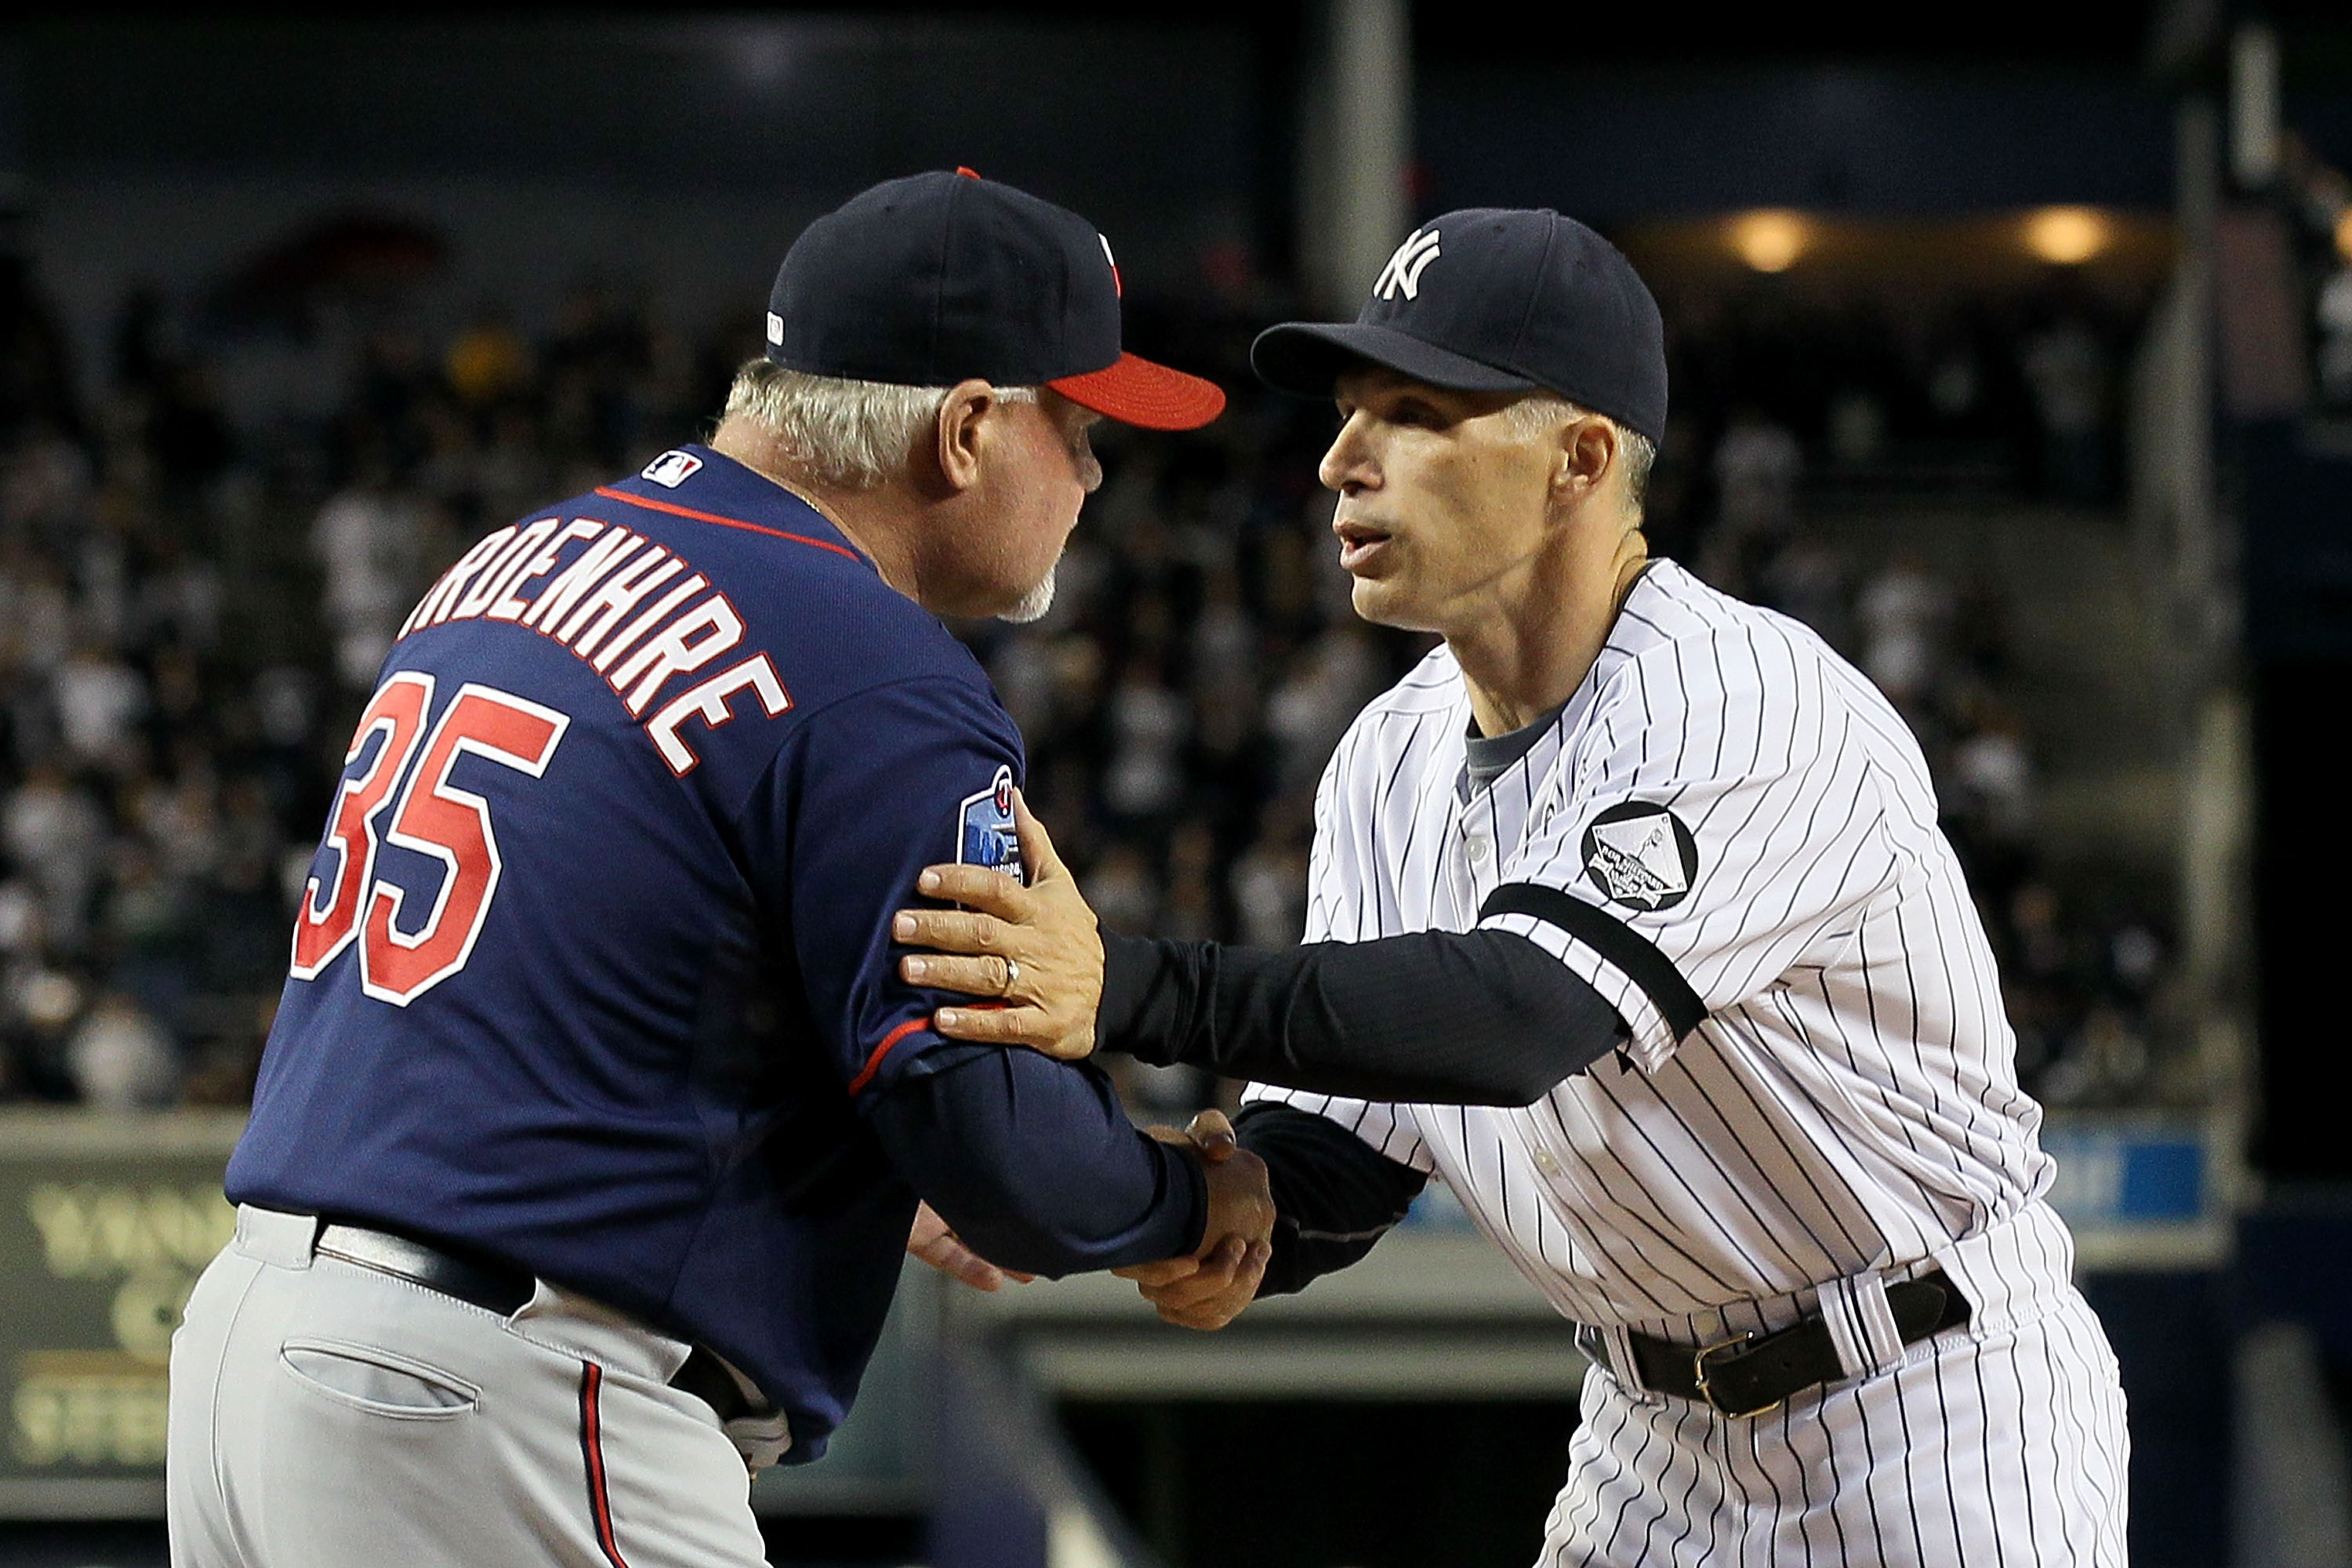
x: 191, y: 613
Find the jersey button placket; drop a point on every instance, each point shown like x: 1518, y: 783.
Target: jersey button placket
x: 1553, y: 1170
x: 1478, y: 847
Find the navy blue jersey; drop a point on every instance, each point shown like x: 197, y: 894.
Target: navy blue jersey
x: 594, y: 974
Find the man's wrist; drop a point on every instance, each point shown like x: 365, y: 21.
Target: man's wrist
x: 1134, y: 984
x: 1186, y: 1165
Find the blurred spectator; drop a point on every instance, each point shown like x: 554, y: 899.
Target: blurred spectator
x: 368, y: 540
x: 119, y: 1059
x: 41, y: 1001
x: 1269, y: 889
x: 1327, y: 684
x: 99, y: 698
x: 1123, y: 890
x: 36, y: 612
x: 1757, y: 465
x: 1807, y: 581
x: 1857, y: 428
x: 45, y: 485
x: 1145, y: 780
x: 2066, y: 367
x: 56, y: 835
x: 179, y: 602
x: 1993, y: 773
x: 1903, y: 612
x: 1192, y: 912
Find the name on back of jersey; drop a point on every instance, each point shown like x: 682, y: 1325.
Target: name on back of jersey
x: 634, y: 611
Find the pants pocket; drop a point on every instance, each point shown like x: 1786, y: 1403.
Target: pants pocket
x: 378, y: 1380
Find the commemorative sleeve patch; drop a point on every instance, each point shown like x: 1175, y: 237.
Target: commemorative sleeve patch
x: 1639, y: 855
x: 985, y: 835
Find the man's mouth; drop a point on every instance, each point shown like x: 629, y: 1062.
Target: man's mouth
x: 1359, y: 543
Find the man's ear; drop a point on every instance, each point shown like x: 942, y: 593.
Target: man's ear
x: 960, y: 432
x: 1588, y: 451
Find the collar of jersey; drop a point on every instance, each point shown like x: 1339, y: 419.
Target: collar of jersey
x: 724, y: 493
x: 1622, y: 631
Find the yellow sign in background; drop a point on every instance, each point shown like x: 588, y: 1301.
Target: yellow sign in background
x: 105, y: 1222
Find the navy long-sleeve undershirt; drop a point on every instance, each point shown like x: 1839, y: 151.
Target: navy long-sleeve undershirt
x: 1036, y: 1168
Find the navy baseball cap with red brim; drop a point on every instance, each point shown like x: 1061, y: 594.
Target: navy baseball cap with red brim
x: 938, y: 278
x: 1494, y: 299
x: 1138, y: 391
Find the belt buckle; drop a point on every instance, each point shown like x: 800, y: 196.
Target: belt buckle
x: 1702, y: 1363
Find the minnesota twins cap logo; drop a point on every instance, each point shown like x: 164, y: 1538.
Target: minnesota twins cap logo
x: 985, y: 835
x: 1640, y: 856
x: 1404, y: 269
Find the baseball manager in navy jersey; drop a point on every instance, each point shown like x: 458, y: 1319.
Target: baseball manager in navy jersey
x: 595, y: 1116
x: 1665, y: 872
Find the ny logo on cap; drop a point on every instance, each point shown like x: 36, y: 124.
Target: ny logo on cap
x: 1404, y: 269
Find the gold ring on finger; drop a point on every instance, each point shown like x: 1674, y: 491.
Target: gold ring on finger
x: 1011, y: 975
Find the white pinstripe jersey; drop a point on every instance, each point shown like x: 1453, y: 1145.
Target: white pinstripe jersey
x: 1726, y: 789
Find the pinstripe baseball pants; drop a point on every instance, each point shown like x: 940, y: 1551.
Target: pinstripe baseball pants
x: 2001, y: 1444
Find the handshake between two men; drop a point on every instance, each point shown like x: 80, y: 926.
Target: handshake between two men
x: 1034, y: 951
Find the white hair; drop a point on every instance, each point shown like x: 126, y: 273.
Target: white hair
x: 1537, y: 412
x: 855, y: 435
x: 1032, y: 605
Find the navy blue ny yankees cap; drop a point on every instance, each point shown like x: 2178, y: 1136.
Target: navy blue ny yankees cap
x: 1495, y: 300
x: 938, y: 278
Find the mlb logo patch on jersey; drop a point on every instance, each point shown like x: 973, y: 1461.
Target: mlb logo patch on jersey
x: 985, y: 835
x: 1640, y: 856
x: 673, y: 469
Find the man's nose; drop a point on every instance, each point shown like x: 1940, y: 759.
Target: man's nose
x: 1348, y: 464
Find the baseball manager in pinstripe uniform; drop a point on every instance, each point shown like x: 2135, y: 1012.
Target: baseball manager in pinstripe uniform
x: 1660, y: 875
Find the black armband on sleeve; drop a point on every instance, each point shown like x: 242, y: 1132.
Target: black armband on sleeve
x: 1334, y: 1195
x: 1480, y: 1017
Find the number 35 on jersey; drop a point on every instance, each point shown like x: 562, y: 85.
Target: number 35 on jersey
x: 404, y: 954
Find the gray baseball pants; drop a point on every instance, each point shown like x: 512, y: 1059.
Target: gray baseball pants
x: 327, y: 1415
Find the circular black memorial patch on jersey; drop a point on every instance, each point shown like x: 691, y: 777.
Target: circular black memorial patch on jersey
x: 1639, y: 855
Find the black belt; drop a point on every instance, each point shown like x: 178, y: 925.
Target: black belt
x: 1752, y: 1372
x: 503, y: 1289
